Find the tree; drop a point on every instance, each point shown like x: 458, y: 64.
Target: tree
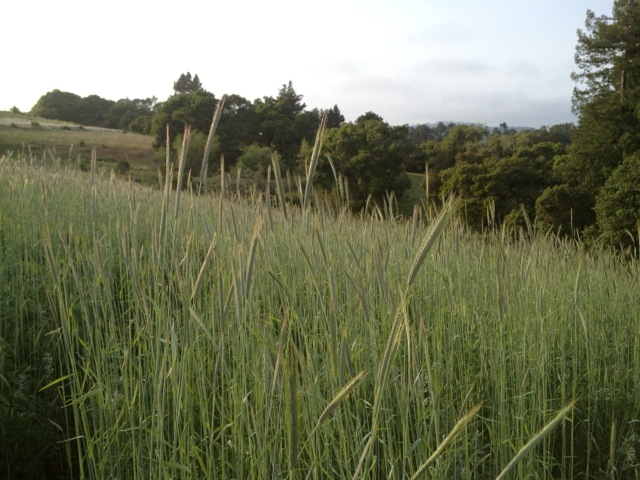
x: 186, y: 84
x: 506, y: 184
x: 462, y: 180
x: 194, y: 109
x: 238, y: 127
x: 281, y: 126
x: 140, y: 124
x: 555, y: 209
x: 334, y: 117
x: 362, y: 119
x: 608, y: 55
x: 371, y: 155
x: 618, y: 204
x: 58, y: 105
x: 461, y: 143
x: 126, y: 114
x: 93, y: 111
x: 421, y: 133
x: 288, y: 102
x: 606, y: 97
x: 69, y: 107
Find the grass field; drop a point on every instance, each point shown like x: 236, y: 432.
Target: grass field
x: 149, y: 334
x: 36, y: 136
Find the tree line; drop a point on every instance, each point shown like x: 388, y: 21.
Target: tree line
x: 94, y: 111
x: 579, y: 180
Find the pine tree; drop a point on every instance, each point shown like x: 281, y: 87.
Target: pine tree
x: 608, y: 56
x: 186, y: 84
x: 607, y: 100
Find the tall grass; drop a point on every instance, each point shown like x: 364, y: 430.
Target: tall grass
x: 228, y: 340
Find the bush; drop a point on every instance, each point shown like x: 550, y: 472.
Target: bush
x: 255, y: 158
x: 123, y: 167
x: 85, y: 165
x: 35, y: 125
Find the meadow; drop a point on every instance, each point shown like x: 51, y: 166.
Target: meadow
x: 149, y: 333
x: 35, y: 137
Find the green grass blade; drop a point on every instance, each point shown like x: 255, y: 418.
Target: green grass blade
x: 536, y: 439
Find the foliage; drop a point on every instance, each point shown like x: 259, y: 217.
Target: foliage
x: 141, y: 124
x: 603, y: 137
x: 93, y: 111
x: 608, y: 56
x: 495, y: 176
x: 58, y: 105
x: 560, y: 208
x: 334, y: 117
x: 194, y: 109
x: 303, y: 157
x: 606, y: 96
x: 461, y: 143
x: 134, y: 115
x: 618, y: 205
x: 255, y: 158
x: 238, y: 127
x: 186, y: 84
x: 464, y: 180
x: 283, y: 123
x: 371, y: 155
x: 123, y: 167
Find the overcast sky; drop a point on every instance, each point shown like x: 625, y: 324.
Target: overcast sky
x: 410, y: 61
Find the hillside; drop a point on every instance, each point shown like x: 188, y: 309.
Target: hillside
x: 35, y: 136
x: 150, y: 334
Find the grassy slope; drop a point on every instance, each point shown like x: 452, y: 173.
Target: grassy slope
x: 191, y: 364
x: 69, y: 141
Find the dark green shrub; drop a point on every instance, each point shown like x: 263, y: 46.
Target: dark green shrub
x: 123, y: 167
